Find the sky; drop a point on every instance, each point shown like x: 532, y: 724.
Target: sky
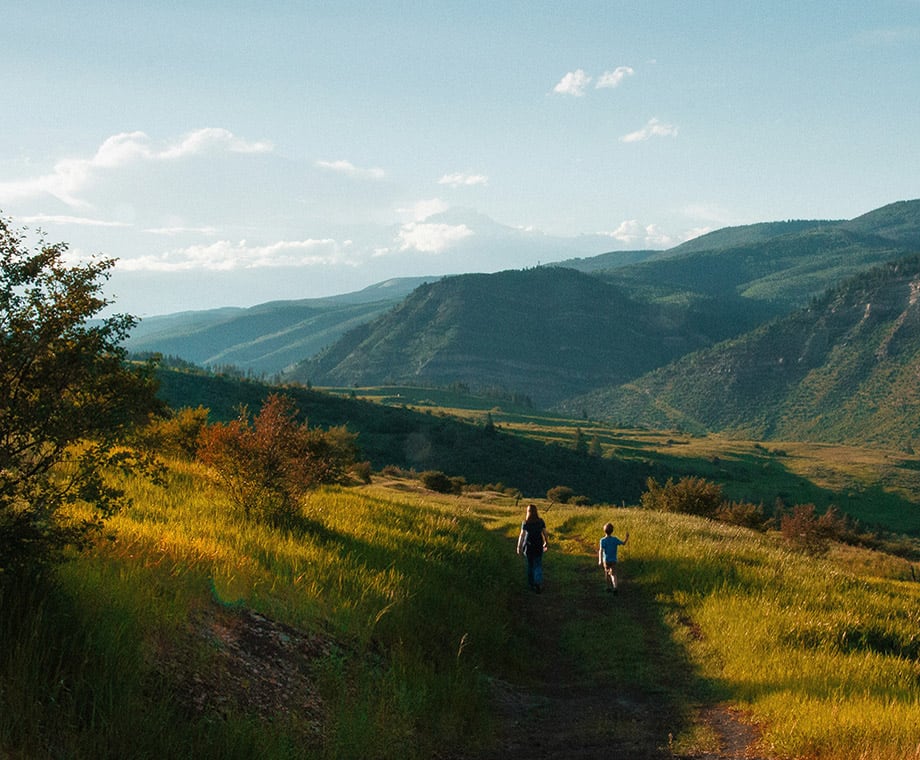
x: 230, y: 153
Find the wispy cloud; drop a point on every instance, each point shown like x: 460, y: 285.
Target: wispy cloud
x: 349, y: 169
x: 613, y: 78
x: 429, y: 237
x: 170, y: 231
x: 80, y: 221
x: 654, y: 128
x: 71, y: 176
x: 463, y: 179
x: 224, y: 255
x: 889, y: 36
x: 573, y: 83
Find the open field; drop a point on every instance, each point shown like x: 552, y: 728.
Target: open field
x: 878, y: 487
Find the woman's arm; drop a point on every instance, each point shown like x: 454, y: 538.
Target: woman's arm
x: 520, y: 543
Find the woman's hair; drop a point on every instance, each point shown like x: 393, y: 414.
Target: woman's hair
x: 608, y: 528
x: 532, y: 514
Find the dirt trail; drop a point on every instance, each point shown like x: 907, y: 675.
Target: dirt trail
x: 566, y: 710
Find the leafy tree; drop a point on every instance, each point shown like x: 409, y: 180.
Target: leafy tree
x: 268, y: 463
x: 68, y: 400
x: 594, y: 448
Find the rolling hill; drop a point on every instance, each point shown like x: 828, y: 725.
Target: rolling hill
x: 547, y: 333
x: 554, y: 332
x: 269, y: 337
x: 843, y: 369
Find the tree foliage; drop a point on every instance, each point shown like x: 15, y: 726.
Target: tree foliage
x: 269, y: 462
x: 68, y: 399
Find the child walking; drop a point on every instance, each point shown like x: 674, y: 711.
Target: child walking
x: 607, y: 557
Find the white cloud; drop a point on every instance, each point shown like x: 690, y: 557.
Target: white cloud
x: 70, y: 176
x: 573, y: 83
x: 431, y: 238
x: 654, y: 128
x: 633, y: 232
x: 463, y: 179
x: 224, y: 255
x: 613, y: 78
x: 349, y: 169
x: 75, y: 220
x: 421, y: 210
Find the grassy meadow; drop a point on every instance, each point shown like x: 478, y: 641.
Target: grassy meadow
x: 878, y: 487
x: 386, y: 619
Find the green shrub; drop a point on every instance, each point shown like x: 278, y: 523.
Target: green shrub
x: 435, y: 480
x: 742, y: 513
x: 560, y: 494
x: 690, y: 495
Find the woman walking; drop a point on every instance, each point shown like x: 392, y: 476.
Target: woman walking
x: 533, y: 542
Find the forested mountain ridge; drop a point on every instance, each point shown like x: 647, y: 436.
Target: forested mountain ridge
x: 843, y: 369
x: 546, y: 332
x: 552, y: 333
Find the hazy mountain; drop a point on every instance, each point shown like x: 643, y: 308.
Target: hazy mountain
x: 843, y: 369
x: 268, y: 337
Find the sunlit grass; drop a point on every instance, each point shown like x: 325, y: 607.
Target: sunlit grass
x: 414, y: 590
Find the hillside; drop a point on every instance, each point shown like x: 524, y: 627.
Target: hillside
x: 552, y: 334
x: 269, y: 337
x: 409, y: 439
x: 844, y: 369
x: 547, y: 333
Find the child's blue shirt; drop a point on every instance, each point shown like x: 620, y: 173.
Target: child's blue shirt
x: 609, y: 546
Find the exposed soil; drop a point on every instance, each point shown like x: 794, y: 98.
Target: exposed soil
x: 255, y: 665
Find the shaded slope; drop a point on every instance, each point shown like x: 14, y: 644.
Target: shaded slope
x: 845, y: 369
x: 545, y: 332
x: 408, y: 439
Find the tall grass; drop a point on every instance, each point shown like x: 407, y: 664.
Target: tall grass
x: 410, y: 596
x: 824, y: 654
x: 394, y: 588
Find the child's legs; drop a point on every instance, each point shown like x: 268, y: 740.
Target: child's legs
x: 610, y: 569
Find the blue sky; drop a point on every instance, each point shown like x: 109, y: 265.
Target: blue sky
x: 231, y: 153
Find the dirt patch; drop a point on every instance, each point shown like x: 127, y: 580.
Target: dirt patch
x: 238, y: 661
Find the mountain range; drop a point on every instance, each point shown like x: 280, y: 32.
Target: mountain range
x: 768, y: 329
